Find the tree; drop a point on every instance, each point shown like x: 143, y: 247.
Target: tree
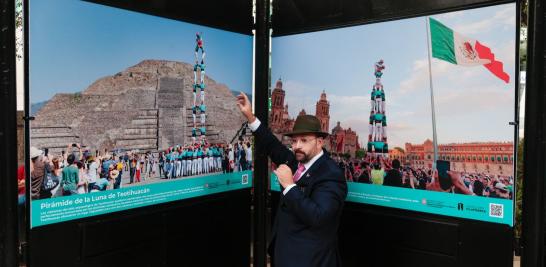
x: 519, y: 188
x: 523, y: 34
x: 524, y: 12
x: 360, y: 153
x: 520, y: 160
x: 19, y: 28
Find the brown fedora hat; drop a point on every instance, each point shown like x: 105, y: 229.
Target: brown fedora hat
x: 307, y: 124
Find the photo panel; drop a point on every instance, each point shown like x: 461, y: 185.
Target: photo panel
x: 132, y: 110
x: 374, y: 88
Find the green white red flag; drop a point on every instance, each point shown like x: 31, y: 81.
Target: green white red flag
x: 458, y: 49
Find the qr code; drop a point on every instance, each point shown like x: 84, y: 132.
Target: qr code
x: 496, y: 210
x: 244, y: 179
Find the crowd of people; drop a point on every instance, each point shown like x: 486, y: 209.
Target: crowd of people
x: 78, y: 171
x: 75, y: 171
x: 203, y: 158
x: 379, y: 170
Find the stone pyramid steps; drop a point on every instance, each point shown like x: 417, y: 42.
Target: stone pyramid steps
x: 169, y: 94
x: 147, y: 113
x: 55, y: 138
x: 144, y: 121
x: 141, y: 131
x: 142, y: 134
x: 172, y: 114
x: 145, y: 108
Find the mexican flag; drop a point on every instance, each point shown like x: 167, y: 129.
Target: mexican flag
x: 455, y: 48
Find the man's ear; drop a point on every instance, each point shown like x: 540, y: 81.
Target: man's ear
x: 321, y: 140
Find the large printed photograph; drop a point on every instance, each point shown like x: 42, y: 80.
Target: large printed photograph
x: 122, y: 99
x: 374, y: 88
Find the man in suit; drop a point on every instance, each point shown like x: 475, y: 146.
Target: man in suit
x: 304, y: 233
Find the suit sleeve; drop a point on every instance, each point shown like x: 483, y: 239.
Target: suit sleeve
x: 324, y: 204
x: 278, y: 153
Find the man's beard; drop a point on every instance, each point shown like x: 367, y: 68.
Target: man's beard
x: 302, y: 156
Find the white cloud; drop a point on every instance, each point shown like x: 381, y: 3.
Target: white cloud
x: 405, y: 113
x: 400, y: 126
x: 295, y: 87
x: 503, y: 17
x: 506, y: 54
x: 469, y: 100
x: 300, y: 96
x: 419, y: 77
x: 349, y: 106
x: 450, y: 15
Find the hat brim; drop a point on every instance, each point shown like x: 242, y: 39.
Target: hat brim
x: 319, y: 134
x: 35, y: 155
x: 34, y: 152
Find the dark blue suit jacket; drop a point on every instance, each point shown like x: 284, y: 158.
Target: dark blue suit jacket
x: 304, y: 232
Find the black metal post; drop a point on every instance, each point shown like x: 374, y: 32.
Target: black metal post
x: 8, y: 137
x: 535, y: 142
x: 261, y: 111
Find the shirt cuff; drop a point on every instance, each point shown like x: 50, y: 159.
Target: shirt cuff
x: 288, y: 189
x: 254, y: 126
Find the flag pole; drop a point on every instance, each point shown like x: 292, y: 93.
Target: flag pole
x: 434, y: 137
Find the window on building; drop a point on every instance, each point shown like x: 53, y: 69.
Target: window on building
x: 492, y: 158
x: 499, y: 158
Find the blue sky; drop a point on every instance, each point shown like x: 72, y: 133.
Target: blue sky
x: 74, y: 43
x: 471, y: 104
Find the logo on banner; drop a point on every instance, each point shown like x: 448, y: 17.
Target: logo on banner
x: 460, y: 206
x: 244, y: 179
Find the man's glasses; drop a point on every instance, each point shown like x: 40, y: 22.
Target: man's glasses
x: 303, y: 141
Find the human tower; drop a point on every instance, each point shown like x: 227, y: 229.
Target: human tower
x: 199, y: 108
x: 377, y: 138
